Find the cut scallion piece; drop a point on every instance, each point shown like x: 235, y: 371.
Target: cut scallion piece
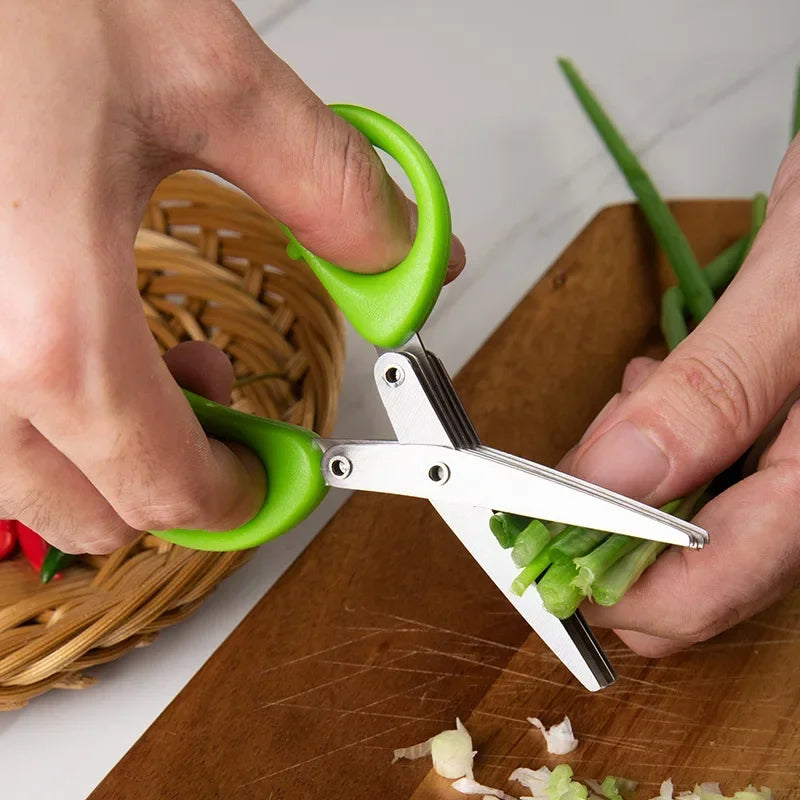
x: 591, y: 566
x: 558, y: 592
x: 609, y: 588
x: 531, y: 573
x: 507, y: 527
x: 574, y: 542
x: 530, y: 543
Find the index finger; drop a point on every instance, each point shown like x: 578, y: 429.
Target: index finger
x: 119, y: 416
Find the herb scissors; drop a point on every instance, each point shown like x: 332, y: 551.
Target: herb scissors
x: 438, y: 454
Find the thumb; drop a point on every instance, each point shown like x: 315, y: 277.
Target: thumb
x: 700, y: 409
x: 308, y: 167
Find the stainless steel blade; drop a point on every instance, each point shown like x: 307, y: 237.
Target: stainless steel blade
x: 424, y: 407
x: 570, y: 640
x: 487, y: 478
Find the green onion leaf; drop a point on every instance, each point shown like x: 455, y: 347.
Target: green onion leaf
x: 663, y: 224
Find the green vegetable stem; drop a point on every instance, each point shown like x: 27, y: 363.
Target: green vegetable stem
x: 664, y: 226
x: 530, y: 542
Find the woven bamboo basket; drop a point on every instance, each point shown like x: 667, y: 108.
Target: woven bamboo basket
x: 211, y: 266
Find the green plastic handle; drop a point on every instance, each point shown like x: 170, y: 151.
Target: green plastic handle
x: 388, y: 308
x: 294, y: 484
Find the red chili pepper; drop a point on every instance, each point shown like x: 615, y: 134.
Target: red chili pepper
x: 8, y: 537
x: 33, y: 546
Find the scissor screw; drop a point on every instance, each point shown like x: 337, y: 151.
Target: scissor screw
x: 340, y: 466
x: 439, y: 473
x: 393, y: 376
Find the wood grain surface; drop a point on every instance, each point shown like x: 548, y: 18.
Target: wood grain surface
x: 385, y: 630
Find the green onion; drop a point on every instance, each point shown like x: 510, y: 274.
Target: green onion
x: 663, y: 224
x: 673, y: 322
x: 532, y: 541
x: 591, y: 566
x: 758, y: 213
x: 596, y: 563
x: 531, y: 572
x: 573, y: 542
x: 562, y: 786
x: 609, y: 788
x: 796, y: 111
x: 720, y: 270
x: 615, y: 788
x: 559, y: 594
x: 541, y: 562
x: 506, y: 528
x: 608, y: 589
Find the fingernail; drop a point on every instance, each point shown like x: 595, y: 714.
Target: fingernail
x: 458, y: 259
x: 604, y: 412
x: 625, y: 460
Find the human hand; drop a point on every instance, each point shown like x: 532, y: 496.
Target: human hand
x: 677, y: 424
x: 101, y: 101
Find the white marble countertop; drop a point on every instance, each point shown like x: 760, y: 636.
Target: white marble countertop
x: 703, y: 90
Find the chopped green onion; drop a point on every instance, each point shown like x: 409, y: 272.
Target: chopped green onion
x: 530, y: 543
x: 591, y: 566
x: 610, y: 789
x: 663, y: 224
x: 506, y: 527
x: 531, y: 572
x: 562, y: 786
x: 608, y: 589
x: 559, y: 594
x: 573, y: 542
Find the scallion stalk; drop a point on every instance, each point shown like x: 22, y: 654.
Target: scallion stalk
x: 530, y: 542
x: 591, y: 566
x: 663, y: 224
x: 531, y: 572
x: 720, y: 270
x: 596, y: 563
x: 573, y: 542
x: 673, y: 321
x: 609, y: 588
x: 796, y: 110
x: 559, y: 594
x: 507, y: 527
x: 758, y: 213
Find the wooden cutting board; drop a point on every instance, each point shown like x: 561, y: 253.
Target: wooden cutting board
x: 385, y: 630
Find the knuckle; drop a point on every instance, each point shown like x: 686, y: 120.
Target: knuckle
x: 694, y: 622
x: 186, y: 506
x: 713, y: 394
x: 46, y: 359
x: 362, y: 178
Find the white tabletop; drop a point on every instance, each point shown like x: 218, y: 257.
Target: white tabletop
x: 703, y: 90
